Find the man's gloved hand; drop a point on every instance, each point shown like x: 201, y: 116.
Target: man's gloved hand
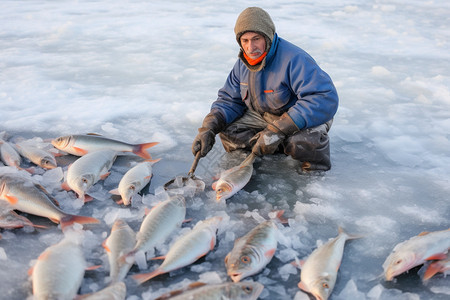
x: 213, y: 123
x: 204, y: 141
x: 268, y: 140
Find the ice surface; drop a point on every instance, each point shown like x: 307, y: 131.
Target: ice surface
x: 145, y: 71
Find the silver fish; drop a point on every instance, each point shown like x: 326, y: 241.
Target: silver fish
x: 161, y: 221
x: 9, y: 155
x: 319, y: 271
x: 82, y: 144
x: 89, y: 169
x: 59, y: 271
x: 225, y: 291
x: 37, y: 156
x: 252, y: 252
x: 187, y: 249
x: 121, y: 241
x: 416, y: 251
x: 134, y: 181
x: 26, y: 196
x: 233, y: 180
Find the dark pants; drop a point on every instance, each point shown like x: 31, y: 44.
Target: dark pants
x: 309, y: 146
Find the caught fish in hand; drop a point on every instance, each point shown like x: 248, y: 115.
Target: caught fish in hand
x: 80, y: 145
x: 26, y: 196
x: 233, y: 180
x: 88, y: 170
x: 247, y: 290
x: 319, y: 271
x: 253, y: 251
x: 187, y: 249
x: 134, y: 181
x: 158, y: 224
x: 416, y: 251
x: 121, y: 241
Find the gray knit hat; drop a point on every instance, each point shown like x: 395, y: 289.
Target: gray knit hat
x: 254, y: 19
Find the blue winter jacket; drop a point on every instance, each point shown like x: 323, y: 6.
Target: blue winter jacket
x: 291, y: 81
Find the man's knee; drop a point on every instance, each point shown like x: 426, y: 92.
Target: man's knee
x: 311, y: 147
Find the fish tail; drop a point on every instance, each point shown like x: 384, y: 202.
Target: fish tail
x: 349, y: 236
x: 141, y: 278
x: 70, y: 219
x: 141, y: 150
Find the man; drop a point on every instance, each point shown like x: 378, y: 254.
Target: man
x: 276, y: 98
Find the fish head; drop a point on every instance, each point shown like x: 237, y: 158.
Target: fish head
x: 241, y: 264
x: 48, y: 163
x: 127, y: 194
x: 223, y: 191
x: 398, y: 262
x: 322, y: 287
x: 246, y: 290
x: 61, y: 142
x: 82, y: 183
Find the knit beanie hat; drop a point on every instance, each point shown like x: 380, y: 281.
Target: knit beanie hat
x: 257, y: 20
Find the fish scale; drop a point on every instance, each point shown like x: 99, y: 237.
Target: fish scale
x: 187, y: 249
x: 252, y: 252
x: 25, y: 196
x: 89, y: 169
x: 160, y: 222
x: 59, y: 271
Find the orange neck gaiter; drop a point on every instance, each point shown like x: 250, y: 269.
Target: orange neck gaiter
x: 252, y: 61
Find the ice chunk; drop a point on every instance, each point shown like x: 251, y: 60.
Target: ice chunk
x: 210, y: 277
x: 140, y: 260
x: 287, y: 270
x: 350, y: 292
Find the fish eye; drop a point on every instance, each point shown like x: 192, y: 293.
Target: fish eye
x: 245, y: 259
x: 325, y: 285
x: 84, y: 180
x: 398, y: 262
x: 248, y: 289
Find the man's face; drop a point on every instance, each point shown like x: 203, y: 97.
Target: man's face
x: 253, y: 44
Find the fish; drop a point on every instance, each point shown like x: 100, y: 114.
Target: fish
x: 115, y: 291
x: 252, y: 252
x: 9, y: 155
x: 247, y: 290
x: 319, y: 271
x: 158, y: 224
x: 438, y: 266
x: 134, y: 181
x: 38, y: 156
x: 187, y: 249
x: 58, y: 271
x: 121, y: 240
x: 416, y: 251
x: 88, y: 170
x: 80, y: 145
x: 233, y: 180
x: 24, y: 195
